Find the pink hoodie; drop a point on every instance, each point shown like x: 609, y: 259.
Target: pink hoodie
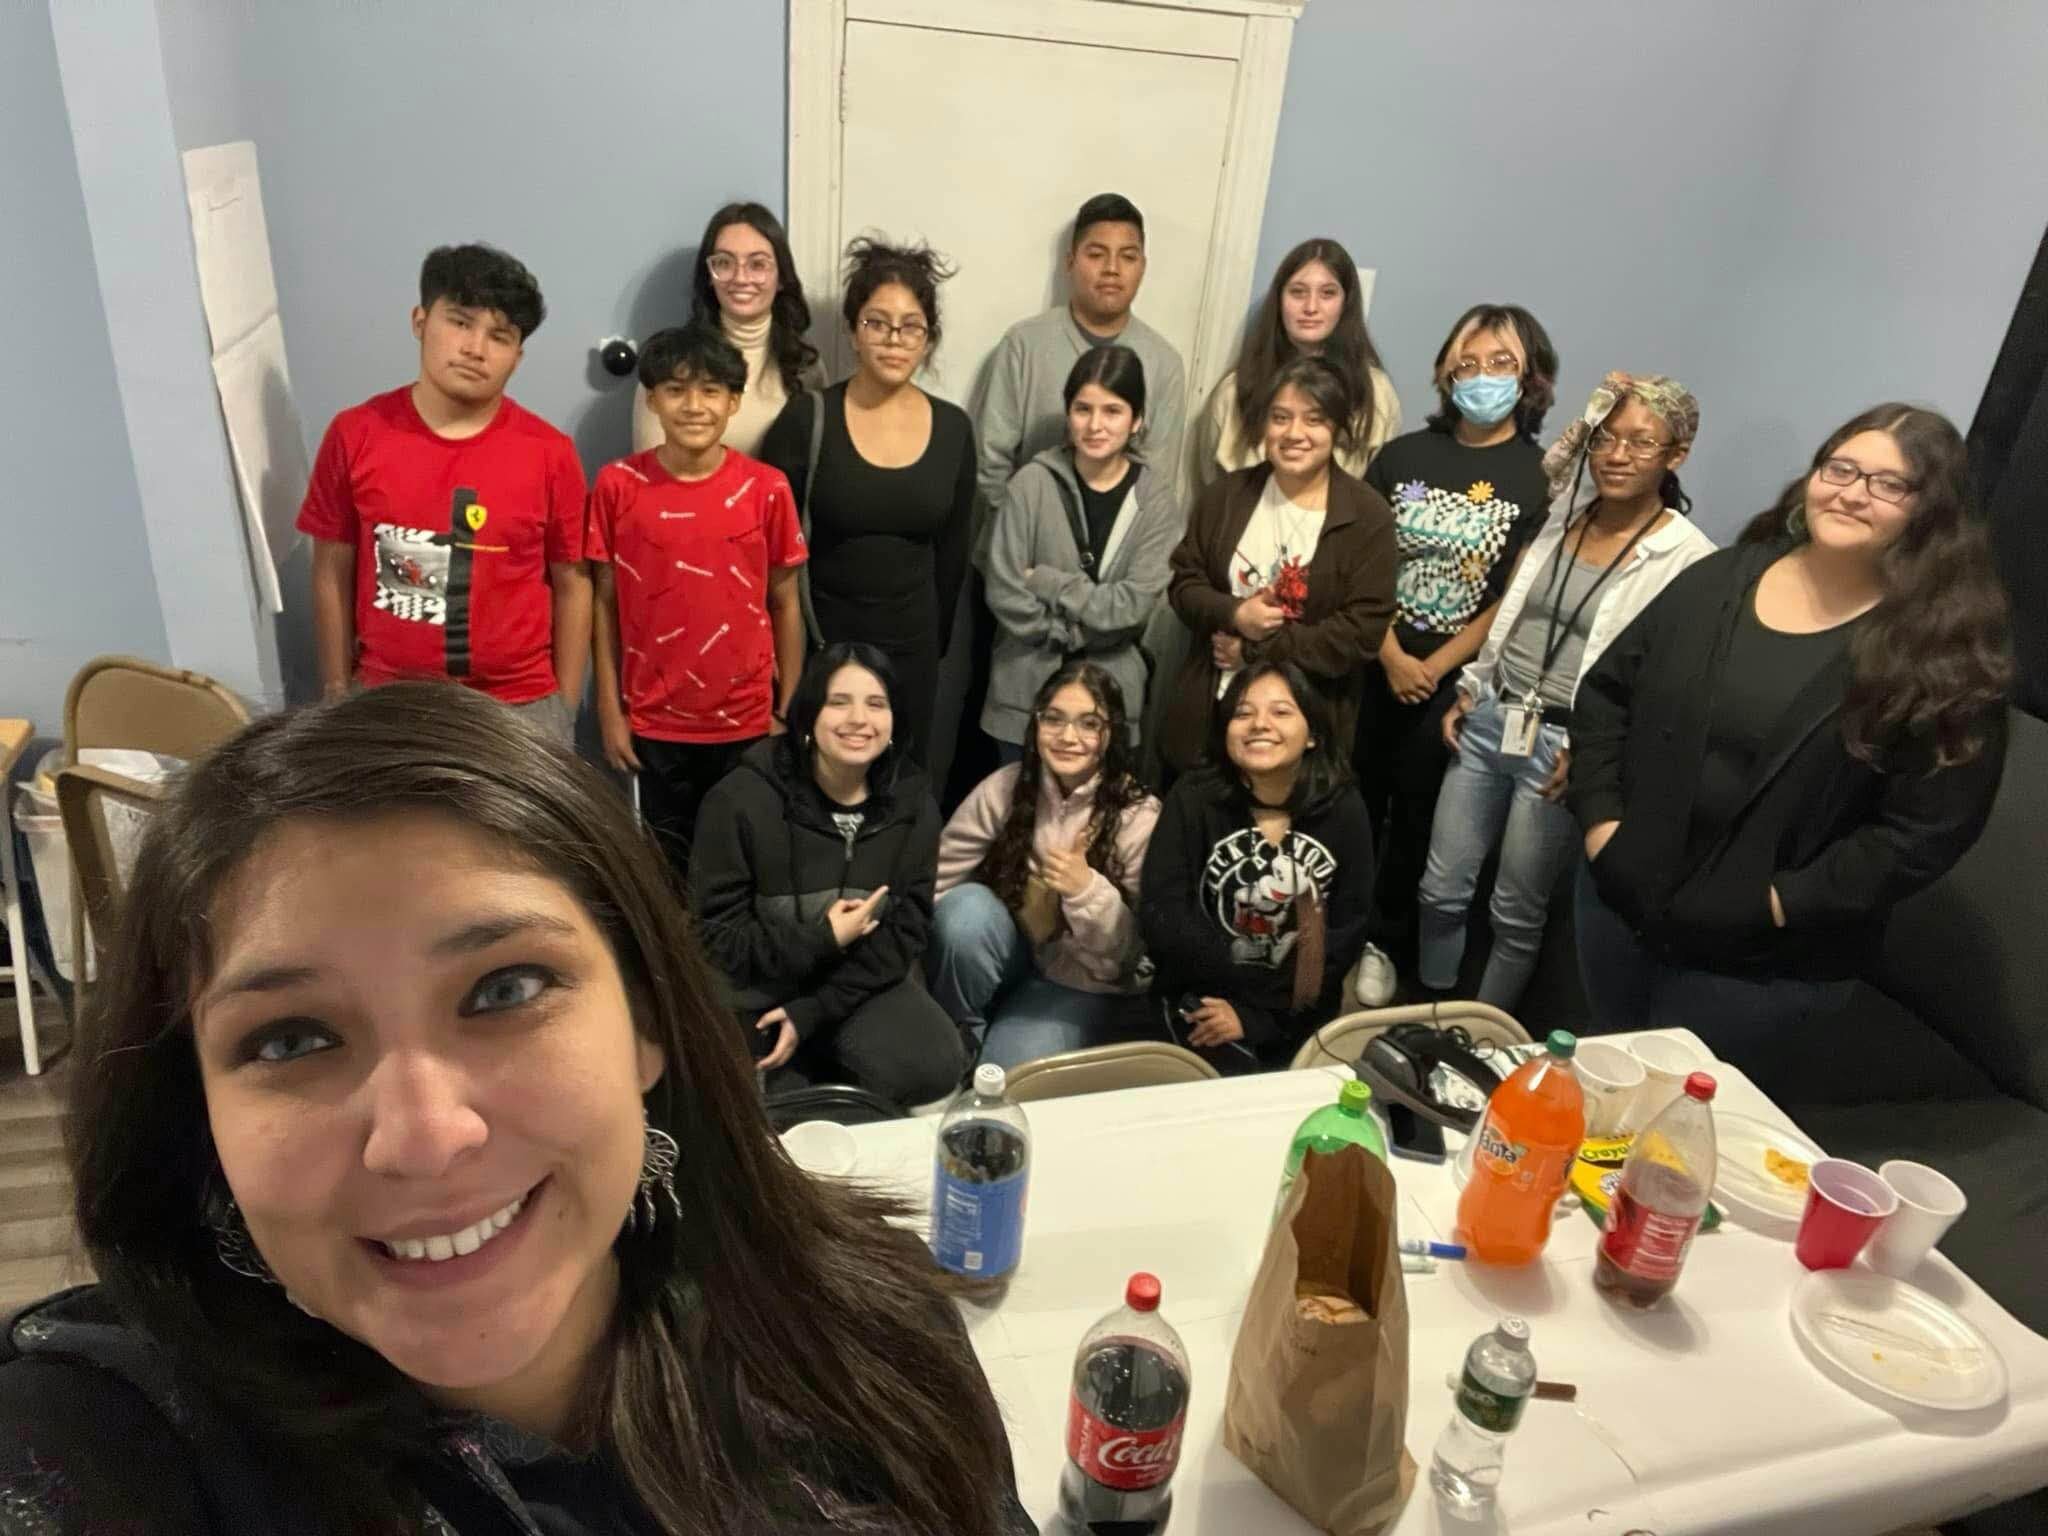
x: 1101, y: 948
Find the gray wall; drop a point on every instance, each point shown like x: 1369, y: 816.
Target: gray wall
x: 1798, y: 209
x: 75, y: 573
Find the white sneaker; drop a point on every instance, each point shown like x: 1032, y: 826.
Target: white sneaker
x: 1377, y: 978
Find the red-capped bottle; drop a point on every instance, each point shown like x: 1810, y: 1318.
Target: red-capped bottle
x: 1125, y: 1419
x: 1660, y: 1199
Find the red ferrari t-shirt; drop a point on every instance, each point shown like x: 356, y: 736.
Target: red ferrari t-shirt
x: 690, y: 564
x: 453, y: 540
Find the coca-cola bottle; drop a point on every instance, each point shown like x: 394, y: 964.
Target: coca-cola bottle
x: 1657, y: 1206
x: 1124, y: 1420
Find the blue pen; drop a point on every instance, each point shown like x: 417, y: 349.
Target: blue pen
x: 1431, y: 1250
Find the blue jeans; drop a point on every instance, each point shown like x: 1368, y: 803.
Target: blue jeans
x: 1743, y: 1019
x: 1484, y: 792
x: 979, y: 970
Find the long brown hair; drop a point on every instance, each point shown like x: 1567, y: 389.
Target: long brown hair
x: 777, y: 1315
x: 1007, y: 862
x: 1267, y: 346
x: 1933, y: 659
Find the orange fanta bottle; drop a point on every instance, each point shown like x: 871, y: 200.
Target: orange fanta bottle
x: 1527, y: 1139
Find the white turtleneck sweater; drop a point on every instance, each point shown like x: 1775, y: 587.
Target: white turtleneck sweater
x: 763, y: 400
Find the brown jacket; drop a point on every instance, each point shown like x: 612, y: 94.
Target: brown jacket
x: 1350, y: 600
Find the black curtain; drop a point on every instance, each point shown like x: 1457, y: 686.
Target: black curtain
x: 2009, y: 461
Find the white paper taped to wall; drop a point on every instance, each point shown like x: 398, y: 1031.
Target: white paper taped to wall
x: 232, y: 246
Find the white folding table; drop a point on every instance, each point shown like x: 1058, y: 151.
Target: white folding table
x: 1701, y: 1416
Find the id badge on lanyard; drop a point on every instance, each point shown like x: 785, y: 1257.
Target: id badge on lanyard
x: 1519, y: 724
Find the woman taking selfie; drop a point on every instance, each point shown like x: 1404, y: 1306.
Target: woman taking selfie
x: 1468, y: 493
x: 1035, y: 935
x: 428, y: 1191
x: 890, y: 509
x: 1258, y: 878
x: 1315, y: 308
x: 1290, y: 561
x: 1077, y: 554
x: 1586, y: 576
x: 811, y: 880
x: 1796, y: 735
x: 745, y: 283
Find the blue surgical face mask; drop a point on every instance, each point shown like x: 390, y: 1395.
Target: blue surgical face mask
x: 1485, y: 400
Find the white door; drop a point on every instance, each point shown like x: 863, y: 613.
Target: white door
x: 979, y: 126
x: 995, y: 145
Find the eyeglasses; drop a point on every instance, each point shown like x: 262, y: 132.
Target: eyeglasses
x: 1884, y: 485
x: 1604, y: 441
x: 877, y: 330
x: 725, y: 266
x: 1502, y: 365
x: 1087, y: 727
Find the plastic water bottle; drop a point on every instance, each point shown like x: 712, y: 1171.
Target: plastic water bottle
x: 980, y: 1176
x: 1499, y: 1375
x: 1352, y: 1121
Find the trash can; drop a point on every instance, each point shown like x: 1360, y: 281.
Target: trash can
x: 42, y: 827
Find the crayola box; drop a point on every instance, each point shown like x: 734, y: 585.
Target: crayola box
x: 1597, y: 1169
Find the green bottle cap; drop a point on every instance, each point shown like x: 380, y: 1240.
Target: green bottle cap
x: 1563, y: 1044
x: 1355, y: 1096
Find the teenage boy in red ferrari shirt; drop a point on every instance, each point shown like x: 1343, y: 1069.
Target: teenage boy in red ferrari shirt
x: 700, y: 630
x: 447, y: 520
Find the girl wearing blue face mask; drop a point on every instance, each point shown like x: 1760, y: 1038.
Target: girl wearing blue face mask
x: 1468, y: 493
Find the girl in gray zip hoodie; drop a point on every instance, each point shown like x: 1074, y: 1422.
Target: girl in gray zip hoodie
x: 1076, y: 561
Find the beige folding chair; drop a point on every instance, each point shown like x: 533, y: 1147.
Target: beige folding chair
x: 83, y: 795
x: 124, y: 701
x: 1346, y: 1038
x: 1102, y: 1068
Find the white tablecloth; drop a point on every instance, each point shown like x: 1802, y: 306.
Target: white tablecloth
x: 1701, y: 1416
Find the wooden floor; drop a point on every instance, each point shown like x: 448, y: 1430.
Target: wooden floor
x: 38, y: 1241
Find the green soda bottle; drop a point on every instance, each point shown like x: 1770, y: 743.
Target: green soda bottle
x: 1352, y: 1120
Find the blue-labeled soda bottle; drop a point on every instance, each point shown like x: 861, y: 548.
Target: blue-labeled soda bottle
x: 980, y: 1177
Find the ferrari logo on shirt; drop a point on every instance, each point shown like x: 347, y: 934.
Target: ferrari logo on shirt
x: 474, y: 514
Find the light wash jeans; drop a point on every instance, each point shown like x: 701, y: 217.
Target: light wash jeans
x: 979, y: 970
x: 1484, y: 792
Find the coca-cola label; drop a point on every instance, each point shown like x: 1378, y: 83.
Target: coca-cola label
x: 1649, y: 1244
x: 1124, y: 1459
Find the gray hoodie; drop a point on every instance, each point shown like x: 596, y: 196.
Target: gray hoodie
x: 1049, y: 608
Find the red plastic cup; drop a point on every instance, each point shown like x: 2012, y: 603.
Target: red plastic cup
x: 1845, y: 1205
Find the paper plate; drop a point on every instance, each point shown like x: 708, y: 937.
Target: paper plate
x: 1871, y: 1331
x: 1745, y: 1188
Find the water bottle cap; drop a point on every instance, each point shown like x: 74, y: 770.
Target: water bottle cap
x: 1700, y: 1086
x: 1513, y: 1329
x: 1356, y: 1097
x: 1142, y: 1294
x: 989, y: 1080
x: 1563, y: 1044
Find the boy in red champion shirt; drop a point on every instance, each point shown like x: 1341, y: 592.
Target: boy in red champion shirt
x: 447, y: 520
x: 700, y: 630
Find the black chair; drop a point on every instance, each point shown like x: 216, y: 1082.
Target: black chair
x: 840, y: 1103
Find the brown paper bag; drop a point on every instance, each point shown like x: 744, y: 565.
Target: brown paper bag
x: 1317, y: 1403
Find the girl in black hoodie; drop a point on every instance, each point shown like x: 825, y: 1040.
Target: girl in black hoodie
x: 1794, y: 736
x: 1259, y: 877
x: 811, y: 880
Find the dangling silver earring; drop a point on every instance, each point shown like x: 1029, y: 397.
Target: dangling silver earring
x: 657, y: 1169
x: 1795, y: 520
x: 232, y: 1244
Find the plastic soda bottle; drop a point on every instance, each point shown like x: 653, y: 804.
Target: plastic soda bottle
x: 1522, y: 1158
x: 980, y: 1176
x: 1352, y: 1121
x: 1662, y: 1195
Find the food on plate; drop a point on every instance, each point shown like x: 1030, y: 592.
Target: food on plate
x: 1789, y: 1171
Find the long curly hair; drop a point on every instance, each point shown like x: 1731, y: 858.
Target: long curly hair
x: 1933, y: 660
x: 1267, y: 346
x: 790, y: 314
x: 1006, y: 865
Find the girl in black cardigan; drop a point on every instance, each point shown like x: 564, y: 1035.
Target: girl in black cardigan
x: 1797, y: 734
x: 1258, y: 877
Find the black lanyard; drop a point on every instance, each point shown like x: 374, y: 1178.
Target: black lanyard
x: 1554, y: 637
